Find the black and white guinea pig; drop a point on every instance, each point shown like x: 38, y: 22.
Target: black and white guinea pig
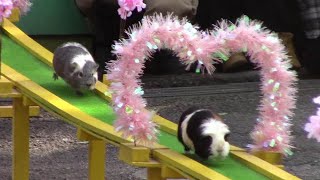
x: 203, y: 132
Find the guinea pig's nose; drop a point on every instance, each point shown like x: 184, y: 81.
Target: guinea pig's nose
x: 220, y: 150
x: 88, y: 85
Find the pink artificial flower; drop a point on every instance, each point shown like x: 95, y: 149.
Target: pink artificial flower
x: 316, y: 100
x: 123, y: 13
x: 6, y: 7
x: 313, y: 127
x: 127, y: 6
x: 318, y: 112
x: 140, y: 5
x: 22, y: 5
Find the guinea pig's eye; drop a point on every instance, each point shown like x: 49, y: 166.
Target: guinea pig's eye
x: 80, y: 74
x: 206, y: 139
x: 226, y: 137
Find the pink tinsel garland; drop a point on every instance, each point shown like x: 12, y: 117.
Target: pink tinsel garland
x: 272, y: 131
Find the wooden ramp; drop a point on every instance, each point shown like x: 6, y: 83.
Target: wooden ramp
x: 28, y: 66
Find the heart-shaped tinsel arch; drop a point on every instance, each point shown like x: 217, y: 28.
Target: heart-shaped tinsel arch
x: 272, y: 131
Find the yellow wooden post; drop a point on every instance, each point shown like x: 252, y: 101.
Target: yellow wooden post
x: 154, y: 174
x: 130, y: 153
x: 169, y: 173
x: 97, y: 155
x: 6, y: 85
x: 274, y: 158
x: 105, y: 80
x: 97, y: 158
x: 15, y: 15
x: 20, y: 135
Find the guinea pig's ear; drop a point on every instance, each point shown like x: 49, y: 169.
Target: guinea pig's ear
x: 217, y: 117
x: 96, y: 66
x: 226, y: 137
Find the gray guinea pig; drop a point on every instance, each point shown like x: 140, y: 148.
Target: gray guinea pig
x: 75, y: 65
x: 203, y: 132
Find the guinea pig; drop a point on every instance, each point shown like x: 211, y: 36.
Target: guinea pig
x: 203, y: 132
x: 75, y: 65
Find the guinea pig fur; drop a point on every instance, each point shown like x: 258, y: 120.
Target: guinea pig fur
x: 203, y: 132
x: 75, y: 65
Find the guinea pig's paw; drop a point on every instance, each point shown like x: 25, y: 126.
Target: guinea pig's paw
x: 79, y: 93
x: 55, y: 76
x: 91, y: 87
x: 187, y: 152
x: 218, y: 158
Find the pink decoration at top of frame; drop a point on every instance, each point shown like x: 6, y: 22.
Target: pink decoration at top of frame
x: 6, y: 7
x: 127, y: 6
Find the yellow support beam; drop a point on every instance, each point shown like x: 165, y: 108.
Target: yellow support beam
x: 97, y: 154
x: 6, y: 85
x: 20, y: 135
x: 7, y: 111
x: 97, y: 159
x: 28, y: 102
x: 137, y: 155
x: 15, y: 15
x: 105, y: 80
x: 169, y: 173
x: 13, y: 94
x: 182, y: 174
x: 84, y: 136
x: 154, y: 174
x: 128, y: 152
x: 275, y: 158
